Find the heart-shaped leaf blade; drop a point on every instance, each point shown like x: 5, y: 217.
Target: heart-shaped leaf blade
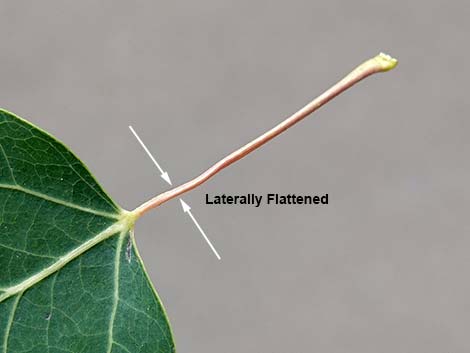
x: 71, y: 279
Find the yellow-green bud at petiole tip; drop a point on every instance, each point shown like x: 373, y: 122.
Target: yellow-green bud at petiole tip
x: 385, y: 61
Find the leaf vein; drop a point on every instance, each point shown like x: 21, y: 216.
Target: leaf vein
x: 50, y: 313
x: 62, y: 261
x: 121, y: 346
x: 26, y: 252
x: 10, y: 322
x: 8, y: 163
x: 58, y: 201
x: 117, y: 264
x: 98, y: 192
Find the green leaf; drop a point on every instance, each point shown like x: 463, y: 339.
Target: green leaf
x: 71, y: 278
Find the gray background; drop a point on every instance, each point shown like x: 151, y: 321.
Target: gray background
x: 383, y: 268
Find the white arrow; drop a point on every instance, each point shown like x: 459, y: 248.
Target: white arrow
x: 187, y: 209
x: 164, y: 175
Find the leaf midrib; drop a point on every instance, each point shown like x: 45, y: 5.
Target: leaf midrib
x: 123, y: 225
